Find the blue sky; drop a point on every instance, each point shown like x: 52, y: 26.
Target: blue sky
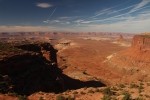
x: 132, y: 16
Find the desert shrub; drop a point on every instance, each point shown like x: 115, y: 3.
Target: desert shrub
x: 132, y: 85
x: 139, y: 98
x: 122, y: 86
x: 141, y: 95
x: 12, y: 94
x: 140, y: 88
x: 90, y: 91
x: 75, y: 92
x: 97, y: 90
x: 147, y: 96
x: 82, y: 92
x: 108, y: 91
x: 114, y: 88
x: 85, y: 88
x: 70, y: 98
x: 141, y: 83
x: 41, y: 98
x: 60, y: 97
x: 7, y: 47
x: 68, y: 91
x: 148, y: 84
x: 3, y: 87
x: 85, y: 73
x: 127, y: 96
x: 24, y: 97
x: 106, y: 97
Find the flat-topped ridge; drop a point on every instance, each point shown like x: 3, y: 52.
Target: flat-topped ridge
x: 141, y: 42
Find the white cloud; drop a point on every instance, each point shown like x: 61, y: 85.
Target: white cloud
x: 86, y: 22
x: 132, y: 24
x: 44, y: 5
x: 65, y: 18
x: 67, y: 22
x: 78, y: 21
x: 46, y: 21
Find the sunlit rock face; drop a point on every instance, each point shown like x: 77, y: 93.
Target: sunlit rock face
x: 141, y: 42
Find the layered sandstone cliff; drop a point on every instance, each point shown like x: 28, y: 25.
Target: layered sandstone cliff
x: 135, y: 59
x: 141, y: 42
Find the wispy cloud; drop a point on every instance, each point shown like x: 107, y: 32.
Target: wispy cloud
x: 140, y: 5
x: 44, y: 5
x: 133, y: 18
x: 63, y: 20
x: 131, y: 9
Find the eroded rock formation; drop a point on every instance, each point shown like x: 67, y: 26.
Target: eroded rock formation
x: 135, y: 59
x: 141, y: 42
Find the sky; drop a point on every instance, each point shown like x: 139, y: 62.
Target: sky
x: 128, y: 16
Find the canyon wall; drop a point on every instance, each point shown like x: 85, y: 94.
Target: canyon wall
x: 141, y: 42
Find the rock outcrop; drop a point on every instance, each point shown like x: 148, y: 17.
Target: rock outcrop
x: 120, y: 39
x: 135, y: 59
x: 141, y: 42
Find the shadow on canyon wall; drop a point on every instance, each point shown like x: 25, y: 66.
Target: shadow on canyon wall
x: 29, y: 73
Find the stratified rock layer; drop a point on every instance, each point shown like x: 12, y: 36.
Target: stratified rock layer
x: 134, y: 60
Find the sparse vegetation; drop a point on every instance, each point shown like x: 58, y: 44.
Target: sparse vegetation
x: 12, y: 94
x: 70, y: 98
x: 148, y: 84
x: 85, y: 88
x: 75, y: 92
x: 7, y: 47
x: 122, y: 86
x: 139, y: 98
x: 90, y: 91
x: 106, y: 97
x: 114, y: 88
x: 140, y: 88
x: 147, y: 96
x: 60, y: 97
x: 83, y: 79
x: 127, y: 96
x: 108, y: 91
x: 82, y: 92
x: 133, y: 85
x: 41, y: 98
x: 97, y: 90
x: 20, y: 97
